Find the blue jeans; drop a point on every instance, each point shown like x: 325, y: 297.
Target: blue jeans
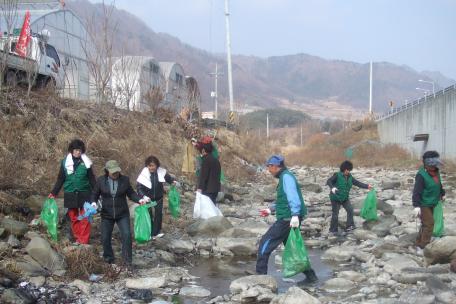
x: 107, y: 225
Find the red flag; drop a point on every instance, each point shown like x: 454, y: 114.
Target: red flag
x: 24, y: 37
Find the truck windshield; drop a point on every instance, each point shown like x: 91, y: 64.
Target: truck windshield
x: 51, y: 52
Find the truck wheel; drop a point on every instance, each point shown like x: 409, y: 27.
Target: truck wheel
x: 48, y: 84
x: 11, y: 79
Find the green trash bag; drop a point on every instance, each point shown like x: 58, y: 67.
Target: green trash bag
x: 174, y: 202
x: 295, y: 258
x: 369, y: 209
x: 50, y: 217
x: 143, y: 224
x: 438, y: 220
x: 222, y: 177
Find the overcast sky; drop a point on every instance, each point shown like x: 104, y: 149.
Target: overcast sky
x: 418, y: 33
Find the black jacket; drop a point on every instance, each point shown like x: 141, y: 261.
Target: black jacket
x: 209, y: 178
x: 418, y: 190
x: 77, y: 199
x: 332, y: 182
x: 157, y: 191
x: 114, y: 207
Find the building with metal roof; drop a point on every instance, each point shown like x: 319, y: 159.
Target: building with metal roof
x: 136, y: 82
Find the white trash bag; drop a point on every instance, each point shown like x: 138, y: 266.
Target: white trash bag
x: 204, y: 207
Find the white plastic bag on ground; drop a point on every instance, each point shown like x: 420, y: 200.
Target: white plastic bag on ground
x: 204, y: 207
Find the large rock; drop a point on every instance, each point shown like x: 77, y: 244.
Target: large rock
x: 383, y: 226
x: 390, y: 184
x: 181, y: 246
x: 146, y: 283
x: 338, y: 285
x: 244, y: 283
x: 339, y: 253
x: 14, y: 227
x: 238, y: 246
x: 210, y: 227
x: 415, y: 297
x: 35, y: 203
x: 195, y: 292
x: 311, y: 187
x: 442, y: 292
x: 295, y: 295
x: 352, y: 276
x: 396, y: 264
x: 441, y: 251
x: 41, y: 251
x: 17, y: 296
x: 363, y: 235
x: 254, y: 227
x: 386, y: 208
x: 30, y: 267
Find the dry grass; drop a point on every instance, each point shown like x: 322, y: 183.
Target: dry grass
x: 35, y: 132
x: 322, y: 149
x: 82, y: 262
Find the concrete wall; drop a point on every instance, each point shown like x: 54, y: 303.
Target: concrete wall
x: 435, y: 116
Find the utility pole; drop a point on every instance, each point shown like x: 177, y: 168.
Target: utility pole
x: 267, y: 125
x: 370, y: 89
x: 215, y: 93
x: 228, y: 55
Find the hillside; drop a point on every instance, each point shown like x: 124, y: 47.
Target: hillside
x: 35, y: 132
x: 294, y: 80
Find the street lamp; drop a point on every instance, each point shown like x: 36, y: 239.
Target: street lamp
x: 426, y: 92
x: 431, y: 82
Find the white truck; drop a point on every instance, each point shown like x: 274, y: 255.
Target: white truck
x: 41, y: 65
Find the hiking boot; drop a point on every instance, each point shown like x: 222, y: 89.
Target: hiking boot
x: 250, y: 272
x: 311, y: 277
x: 350, y: 228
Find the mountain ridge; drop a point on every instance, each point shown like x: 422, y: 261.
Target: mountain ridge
x: 258, y: 82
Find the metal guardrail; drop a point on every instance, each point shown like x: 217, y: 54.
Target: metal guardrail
x: 414, y: 103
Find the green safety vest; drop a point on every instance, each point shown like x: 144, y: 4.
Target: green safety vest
x: 343, y: 186
x: 431, y: 192
x: 283, y: 211
x: 78, y: 180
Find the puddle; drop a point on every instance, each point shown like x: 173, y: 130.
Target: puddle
x: 217, y: 274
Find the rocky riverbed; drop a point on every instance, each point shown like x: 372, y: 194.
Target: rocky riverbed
x: 209, y: 261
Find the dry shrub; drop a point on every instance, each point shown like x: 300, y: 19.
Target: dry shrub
x: 322, y: 149
x: 82, y: 262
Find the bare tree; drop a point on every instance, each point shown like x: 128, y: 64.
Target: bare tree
x: 101, y: 28
x: 8, y: 19
x: 126, y: 86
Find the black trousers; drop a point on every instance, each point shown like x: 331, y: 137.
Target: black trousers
x: 335, y: 214
x: 107, y: 225
x: 212, y: 196
x: 277, y: 233
x: 156, y: 216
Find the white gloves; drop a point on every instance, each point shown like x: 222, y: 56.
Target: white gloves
x: 294, y: 223
x: 146, y: 199
x: 94, y: 205
x: 334, y: 190
x: 417, y: 211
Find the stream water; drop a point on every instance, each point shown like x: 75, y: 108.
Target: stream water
x: 217, y: 274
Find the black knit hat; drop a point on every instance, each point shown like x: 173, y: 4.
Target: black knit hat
x: 76, y: 144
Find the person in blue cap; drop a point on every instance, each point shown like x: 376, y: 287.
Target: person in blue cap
x: 289, y: 209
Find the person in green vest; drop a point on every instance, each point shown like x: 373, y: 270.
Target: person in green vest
x: 427, y: 192
x: 340, y: 185
x: 289, y: 209
x: 77, y: 178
